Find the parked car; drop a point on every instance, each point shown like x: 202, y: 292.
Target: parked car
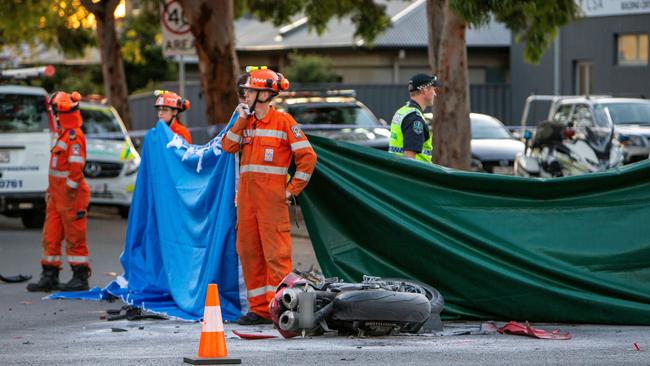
x: 335, y: 114
x: 494, y: 148
x: 112, y: 161
x: 493, y: 144
x: 630, y: 116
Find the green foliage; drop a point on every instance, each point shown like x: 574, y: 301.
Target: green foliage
x: 141, y: 42
x: 54, y: 24
x: 534, y: 22
x: 369, y: 17
x: 310, y: 69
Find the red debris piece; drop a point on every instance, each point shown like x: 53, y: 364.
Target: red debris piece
x: 512, y: 327
x: 250, y: 336
x: 636, y: 346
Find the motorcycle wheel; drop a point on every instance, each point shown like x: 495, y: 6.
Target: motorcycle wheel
x: 436, y: 300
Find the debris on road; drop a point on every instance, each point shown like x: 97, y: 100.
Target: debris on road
x: 118, y: 330
x: 512, y: 327
x: 636, y: 346
x: 251, y: 336
x: 15, y: 279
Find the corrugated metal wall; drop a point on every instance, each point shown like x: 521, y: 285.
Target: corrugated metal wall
x: 382, y: 99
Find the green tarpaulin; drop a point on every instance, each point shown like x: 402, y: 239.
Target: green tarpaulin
x: 573, y: 249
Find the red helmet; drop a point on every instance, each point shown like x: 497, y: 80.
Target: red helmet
x: 63, y: 102
x: 265, y: 79
x: 66, y: 108
x: 170, y: 99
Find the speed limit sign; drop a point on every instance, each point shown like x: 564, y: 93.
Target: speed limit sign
x: 177, y: 38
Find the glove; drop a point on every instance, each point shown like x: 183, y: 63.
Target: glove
x: 243, y: 110
x: 79, y: 215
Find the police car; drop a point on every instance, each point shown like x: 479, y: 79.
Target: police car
x: 335, y: 114
x: 112, y: 161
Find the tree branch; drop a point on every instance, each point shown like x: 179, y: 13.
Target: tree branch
x: 92, y: 7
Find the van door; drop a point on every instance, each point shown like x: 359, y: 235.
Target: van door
x: 25, y: 141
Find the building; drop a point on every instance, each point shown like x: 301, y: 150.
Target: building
x: 605, y: 52
x: 395, y: 56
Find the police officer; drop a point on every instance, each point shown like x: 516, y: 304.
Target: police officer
x: 410, y: 135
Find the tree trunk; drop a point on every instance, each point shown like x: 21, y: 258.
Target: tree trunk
x: 448, y: 59
x: 115, y: 85
x: 213, y: 26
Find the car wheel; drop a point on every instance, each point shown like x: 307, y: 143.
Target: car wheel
x: 33, y: 219
x: 124, y: 211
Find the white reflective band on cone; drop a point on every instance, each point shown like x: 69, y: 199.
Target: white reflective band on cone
x: 59, y: 173
x: 300, y: 145
x: 77, y: 159
x: 72, y: 184
x: 252, y: 168
x: 78, y: 259
x: 212, y: 319
x: 260, y: 291
x: 233, y: 137
x: 271, y: 133
x: 303, y: 176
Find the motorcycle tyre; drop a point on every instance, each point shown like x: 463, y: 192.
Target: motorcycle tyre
x: 434, y: 323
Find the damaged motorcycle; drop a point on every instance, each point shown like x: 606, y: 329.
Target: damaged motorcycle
x: 306, y: 303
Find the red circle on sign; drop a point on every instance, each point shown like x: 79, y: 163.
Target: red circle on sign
x: 184, y: 29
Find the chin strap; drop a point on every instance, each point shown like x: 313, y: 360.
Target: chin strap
x: 257, y: 99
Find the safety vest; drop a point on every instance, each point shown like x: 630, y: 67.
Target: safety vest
x: 396, y: 143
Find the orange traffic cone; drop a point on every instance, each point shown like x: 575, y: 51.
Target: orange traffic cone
x: 212, y: 345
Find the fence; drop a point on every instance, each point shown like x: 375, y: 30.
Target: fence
x: 382, y: 99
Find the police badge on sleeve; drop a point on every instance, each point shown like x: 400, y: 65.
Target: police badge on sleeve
x: 76, y: 149
x: 418, y: 127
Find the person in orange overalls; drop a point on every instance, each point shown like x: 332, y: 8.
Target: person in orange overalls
x: 169, y: 106
x: 267, y: 140
x: 68, y: 196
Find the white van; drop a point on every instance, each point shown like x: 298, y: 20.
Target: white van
x: 26, y: 135
x: 25, y: 140
x: 112, y: 161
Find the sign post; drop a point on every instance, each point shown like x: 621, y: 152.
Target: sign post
x: 177, y: 37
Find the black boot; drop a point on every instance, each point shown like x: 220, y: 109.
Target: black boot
x: 79, y: 281
x: 49, y: 280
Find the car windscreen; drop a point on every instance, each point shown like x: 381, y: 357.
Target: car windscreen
x: 331, y: 114
x: 98, y: 121
x: 487, y: 129
x: 23, y: 113
x: 629, y: 113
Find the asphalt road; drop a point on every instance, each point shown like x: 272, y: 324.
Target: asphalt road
x: 48, y: 332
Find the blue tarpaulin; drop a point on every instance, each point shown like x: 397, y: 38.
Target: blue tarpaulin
x: 181, y: 231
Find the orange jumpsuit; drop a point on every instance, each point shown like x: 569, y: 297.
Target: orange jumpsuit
x: 178, y: 128
x: 67, y: 200
x: 263, y: 227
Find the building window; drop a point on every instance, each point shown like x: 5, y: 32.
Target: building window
x: 583, y: 77
x: 632, y: 49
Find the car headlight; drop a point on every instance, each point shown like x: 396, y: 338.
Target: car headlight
x: 132, y: 166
